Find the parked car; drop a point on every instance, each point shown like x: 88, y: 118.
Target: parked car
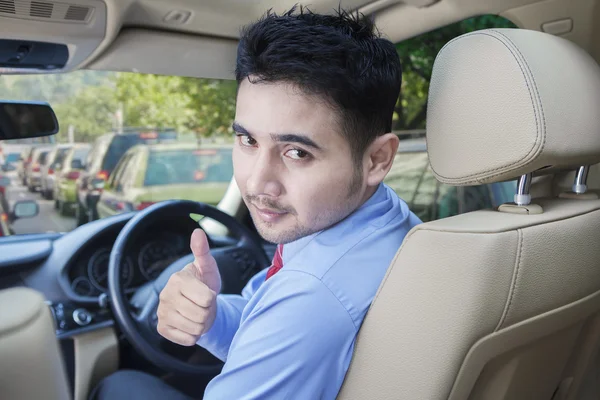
x: 22, y: 208
x: 147, y: 174
x: 48, y: 171
x: 412, y: 178
x: 102, y: 160
x: 10, y: 162
x: 33, y: 173
x: 26, y: 148
x: 67, y: 172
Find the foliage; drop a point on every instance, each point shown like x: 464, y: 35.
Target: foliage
x: 88, y: 101
x: 417, y: 56
x: 154, y: 101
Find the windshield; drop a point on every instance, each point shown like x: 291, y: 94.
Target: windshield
x: 121, y: 143
x: 188, y: 166
x: 81, y: 153
x: 12, y: 157
x: 60, y: 156
x: 102, y: 115
x: 128, y: 138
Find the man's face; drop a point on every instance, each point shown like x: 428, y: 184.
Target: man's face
x: 292, y: 165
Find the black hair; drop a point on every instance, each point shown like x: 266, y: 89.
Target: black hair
x: 340, y: 58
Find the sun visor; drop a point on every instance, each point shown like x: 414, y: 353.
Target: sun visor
x: 48, y: 36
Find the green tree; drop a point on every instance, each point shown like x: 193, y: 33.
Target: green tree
x: 204, y: 106
x: 214, y: 104
x: 417, y: 56
x: 154, y: 101
x: 90, y: 112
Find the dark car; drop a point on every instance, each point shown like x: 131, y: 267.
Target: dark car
x: 102, y: 160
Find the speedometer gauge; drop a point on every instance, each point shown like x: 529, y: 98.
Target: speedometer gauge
x: 155, y: 257
x: 98, y: 270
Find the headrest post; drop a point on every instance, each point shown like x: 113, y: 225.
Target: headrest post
x: 580, y: 184
x: 522, y: 197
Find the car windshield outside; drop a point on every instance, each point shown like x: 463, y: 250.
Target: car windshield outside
x: 193, y: 166
x: 13, y: 157
x: 129, y: 140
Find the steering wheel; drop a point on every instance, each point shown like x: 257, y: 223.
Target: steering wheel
x: 237, y: 264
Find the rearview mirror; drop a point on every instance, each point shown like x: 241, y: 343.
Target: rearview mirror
x: 22, y: 120
x: 25, y: 209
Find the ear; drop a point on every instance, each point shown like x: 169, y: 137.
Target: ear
x: 379, y: 158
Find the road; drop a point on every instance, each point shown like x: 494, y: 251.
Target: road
x: 48, y: 220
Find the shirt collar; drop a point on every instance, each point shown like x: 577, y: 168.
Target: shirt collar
x: 358, y: 216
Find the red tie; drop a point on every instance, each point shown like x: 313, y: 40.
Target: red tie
x: 277, y: 263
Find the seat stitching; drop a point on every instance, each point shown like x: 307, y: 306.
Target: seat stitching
x: 515, y: 279
x: 525, y: 158
x: 535, y: 87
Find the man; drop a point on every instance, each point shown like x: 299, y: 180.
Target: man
x: 313, y: 120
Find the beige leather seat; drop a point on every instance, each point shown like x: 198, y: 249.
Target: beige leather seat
x: 31, y: 363
x: 496, y: 304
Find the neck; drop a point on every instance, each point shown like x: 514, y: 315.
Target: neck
x: 367, y: 195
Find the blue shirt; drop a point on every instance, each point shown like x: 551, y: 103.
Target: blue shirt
x: 292, y: 336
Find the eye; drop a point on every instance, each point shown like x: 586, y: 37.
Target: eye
x: 247, y: 141
x: 296, y: 154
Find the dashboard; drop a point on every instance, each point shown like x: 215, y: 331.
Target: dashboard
x: 70, y: 269
x: 88, y: 275
x: 149, y: 254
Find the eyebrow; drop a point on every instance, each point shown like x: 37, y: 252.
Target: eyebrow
x: 281, y: 137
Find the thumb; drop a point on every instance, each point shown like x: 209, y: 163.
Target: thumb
x: 204, y: 263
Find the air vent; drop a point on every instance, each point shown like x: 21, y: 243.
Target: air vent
x: 47, y: 10
x: 41, y: 9
x: 77, y: 13
x: 7, y: 6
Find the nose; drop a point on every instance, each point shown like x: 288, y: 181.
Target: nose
x: 263, y: 178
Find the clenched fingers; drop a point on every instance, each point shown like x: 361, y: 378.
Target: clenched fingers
x: 184, y: 283
x: 175, y: 320
x: 183, y: 306
x: 177, y: 336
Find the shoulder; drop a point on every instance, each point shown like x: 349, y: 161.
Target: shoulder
x: 300, y: 295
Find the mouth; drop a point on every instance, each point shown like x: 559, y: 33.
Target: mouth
x: 269, y: 215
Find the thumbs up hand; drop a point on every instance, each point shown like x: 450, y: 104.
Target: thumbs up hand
x: 204, y: 263
x: 188, y: 302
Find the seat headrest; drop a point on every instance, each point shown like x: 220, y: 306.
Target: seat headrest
x: 506, y: 102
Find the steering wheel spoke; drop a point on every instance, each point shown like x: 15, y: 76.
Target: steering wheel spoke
x: 147, y: 315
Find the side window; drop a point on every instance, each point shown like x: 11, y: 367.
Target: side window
x: 51, y: 157
x: 411, y: 175
x: 42, y: 158
x: 90, y: 156
x: 98, y: 154
x: 114, y: 182
x: 60, y: 156
x: 130, y: 171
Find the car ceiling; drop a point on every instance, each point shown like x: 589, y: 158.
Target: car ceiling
x: 199, y: 37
